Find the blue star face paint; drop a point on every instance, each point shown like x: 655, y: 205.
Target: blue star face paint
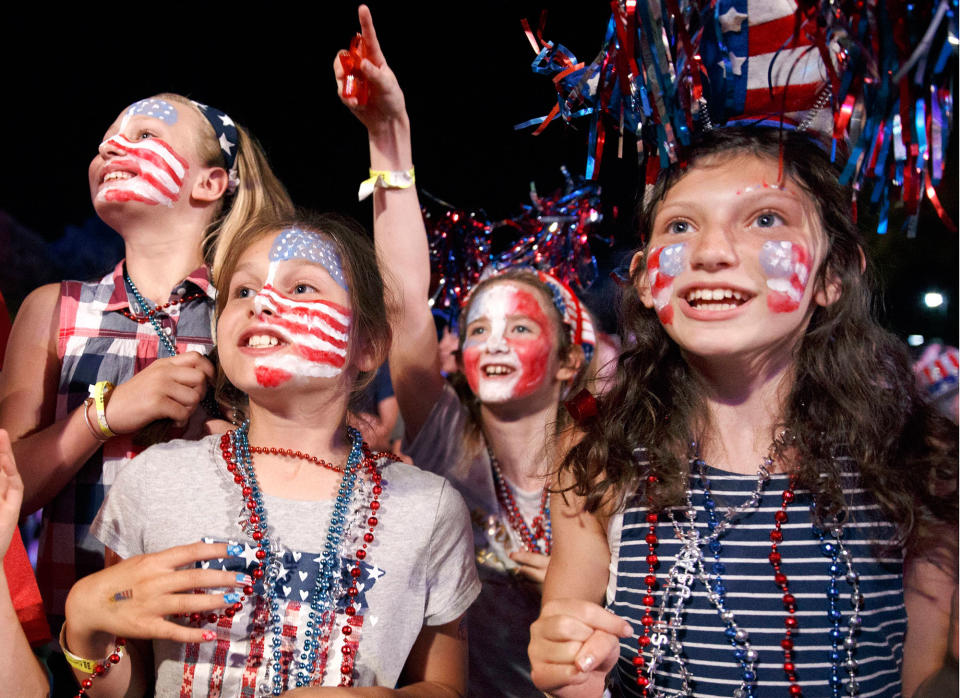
x: 313, y: 247
x: 157, y: 108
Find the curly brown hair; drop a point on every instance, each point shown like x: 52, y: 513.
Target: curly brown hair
x: 854, y: 403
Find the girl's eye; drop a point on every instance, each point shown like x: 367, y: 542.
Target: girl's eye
x: 144, y: 135
x: 768, y: 220
x: 304, y: 288
x: 521, y: 329
x: 678, y: 227
x: 243, y: 292
x: 474, y: 331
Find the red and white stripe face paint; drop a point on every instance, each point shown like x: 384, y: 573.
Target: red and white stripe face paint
x: 663, y: 266
x: 509, y: 343
x: 316, y: 332
x: 787, y: 267
x: 149, y: 171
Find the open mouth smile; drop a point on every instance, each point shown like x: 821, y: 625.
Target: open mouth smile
x: 716, y: 298
x: 491, y: 370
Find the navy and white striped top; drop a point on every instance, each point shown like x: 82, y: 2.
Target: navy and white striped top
x: 756, y: 601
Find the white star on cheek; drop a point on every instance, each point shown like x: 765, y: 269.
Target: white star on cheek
x: 731, y: 21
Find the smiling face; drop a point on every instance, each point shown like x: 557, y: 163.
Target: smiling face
x: 510, y: 347
x: 731, y: 257
x: 288, y: 315
x: 147, y: 157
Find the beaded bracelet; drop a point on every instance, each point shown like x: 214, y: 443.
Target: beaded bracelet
x: 100, y: 391
x: 89, y: 666
x: 86, y: 418
x: 386, y: 179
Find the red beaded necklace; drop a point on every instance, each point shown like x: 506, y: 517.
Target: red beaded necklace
x: 780, y: 579
x: 153, y: 311
x: 650, y: 580
x: 296, y: 454
x: 541, y: 522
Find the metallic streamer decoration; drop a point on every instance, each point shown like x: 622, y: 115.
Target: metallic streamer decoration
x: 552, y: 234
x: 878, y: 77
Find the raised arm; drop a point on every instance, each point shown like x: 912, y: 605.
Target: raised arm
x: 51, y: 452
x: 575, y: 641
x: 399, y: 234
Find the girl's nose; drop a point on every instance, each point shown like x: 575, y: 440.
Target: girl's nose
x: 497, y: 343
x: 110, y: 148
x: 713, y: 248
x: 262, y: 304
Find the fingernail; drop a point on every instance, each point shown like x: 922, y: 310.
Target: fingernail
x: 208, y: 635
x: 585, y: 663
x: 627, y: 630
x: 232, y: 597
x: 244, y: 578
x: 234, y: 550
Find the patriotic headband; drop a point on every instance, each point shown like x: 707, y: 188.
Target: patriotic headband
x: 572, y: 312
x: 228, y: 137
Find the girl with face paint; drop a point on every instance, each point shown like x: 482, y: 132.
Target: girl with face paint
x: 524, y: 345
x: 325, y: 564
x: 90, y: 365
x: 764, y: 503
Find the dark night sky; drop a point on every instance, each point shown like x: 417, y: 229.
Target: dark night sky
x: 465, y: 71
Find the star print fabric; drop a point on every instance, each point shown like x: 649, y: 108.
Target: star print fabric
x: 419, y: 570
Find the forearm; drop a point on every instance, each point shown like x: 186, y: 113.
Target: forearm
x: 50, y: 457
x: 29, y: 677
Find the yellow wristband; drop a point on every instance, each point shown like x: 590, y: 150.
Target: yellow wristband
x: 386, y: 179
x: 86, y: 419
x: 87, y: 666
x: 100, y: 391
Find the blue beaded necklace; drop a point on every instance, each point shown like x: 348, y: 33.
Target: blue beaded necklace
x: 144, y: 307
x: 323, y: 599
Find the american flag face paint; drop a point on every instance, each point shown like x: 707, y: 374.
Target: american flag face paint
x: 508, y: 344
x: 148, y: 170
x: 663, y: 265
x: 787, y: 267
x: 317, y: 331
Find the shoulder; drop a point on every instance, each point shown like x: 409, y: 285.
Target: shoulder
x: 420, y: 489
x: 39, y: 307
x: 169, y: 464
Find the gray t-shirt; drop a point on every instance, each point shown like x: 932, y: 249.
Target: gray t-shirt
x: 418, y: 571
x: 499, y: 621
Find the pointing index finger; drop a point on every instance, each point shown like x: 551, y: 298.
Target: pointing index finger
x: 374, y: 54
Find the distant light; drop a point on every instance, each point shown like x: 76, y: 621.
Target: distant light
x: 933, y: 299
x: 915, y: 340
x: 553, y: 227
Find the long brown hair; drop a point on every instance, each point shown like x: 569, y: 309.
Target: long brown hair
x: 854, y: 404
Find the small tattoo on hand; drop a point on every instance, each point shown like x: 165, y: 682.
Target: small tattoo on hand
x: 124, y: 595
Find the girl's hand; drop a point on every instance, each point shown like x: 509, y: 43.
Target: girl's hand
x: 385, y: 98
x: 134, y: 598
x: 11, y: 493
x: 169, y: 388
x: 572, y: 641
x: 533, y: 566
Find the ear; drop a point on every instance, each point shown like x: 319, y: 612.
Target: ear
x: 571, y: 365
x: 638, y: 271
x: 210, y: 185
x: 366, y: 359
x: 829, y: 292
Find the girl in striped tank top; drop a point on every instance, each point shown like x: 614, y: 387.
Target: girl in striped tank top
x: 764, y: 504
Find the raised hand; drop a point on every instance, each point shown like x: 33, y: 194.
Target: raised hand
x: 11, y: 493
x: 384, y: 99
x: 169, y: 388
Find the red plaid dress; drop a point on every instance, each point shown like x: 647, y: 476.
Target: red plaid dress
x: 97, y: 342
